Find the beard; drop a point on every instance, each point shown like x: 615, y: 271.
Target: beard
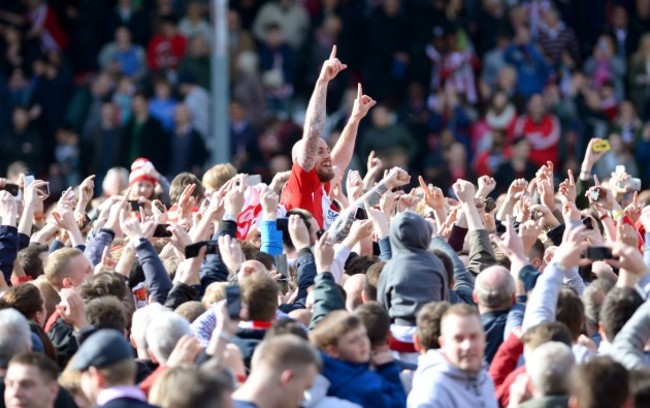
x: 325, y: 174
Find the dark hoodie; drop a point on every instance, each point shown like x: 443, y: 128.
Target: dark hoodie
x: 414, y: 276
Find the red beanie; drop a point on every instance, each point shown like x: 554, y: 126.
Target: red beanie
x: 139, y: 171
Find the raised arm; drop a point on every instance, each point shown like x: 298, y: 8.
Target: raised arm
x: 307, y: 151
x: 344, y: 148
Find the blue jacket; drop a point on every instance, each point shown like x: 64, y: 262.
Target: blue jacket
x: 359, y: 384
x: 8, y: 250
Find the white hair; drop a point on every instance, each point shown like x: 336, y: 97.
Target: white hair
x: 549, y: 367
x: 164, y: 332
x: 140, y: 321
x: 15, y: 335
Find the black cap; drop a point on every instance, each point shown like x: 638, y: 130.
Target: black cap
x: 104, y: 348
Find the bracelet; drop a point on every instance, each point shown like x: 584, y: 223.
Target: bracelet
x: 618, y: 215
x: 603, y: 217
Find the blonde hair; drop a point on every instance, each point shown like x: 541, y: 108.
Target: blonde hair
x: 217, y: 176
x: 56, y: 265
x: 215, y: 292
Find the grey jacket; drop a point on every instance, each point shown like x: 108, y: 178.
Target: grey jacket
x: 414, y: 276
x: 437, y: 383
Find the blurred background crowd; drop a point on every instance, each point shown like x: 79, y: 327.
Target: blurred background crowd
x: 465, y: 88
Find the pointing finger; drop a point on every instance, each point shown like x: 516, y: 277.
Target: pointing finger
x: 333, y: 54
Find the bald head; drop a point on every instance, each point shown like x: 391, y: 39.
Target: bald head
x: 250, y: 267
x: 494, y: 289
x: 353, y: 287
x: 323, y: 162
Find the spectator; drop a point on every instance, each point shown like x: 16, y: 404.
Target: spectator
x: 549, y: 370
x: 194, y: 24
x: 283, y: 368
x: 412, y: 278
x: 391, y: 142
x: 128, y: 15
x: 639, y: 77
x: 556, y: 38
x: 528, y: 61
x: 542, y: 130
x: 144, y: 136
x: 620, y: 32
x: 248, y: 88
x: 443, y: 375
x: 163, y: 104
x: 23, y: 142
x: 600, y: 382
x: 31, y: 381
x: 105, y: 361
x: 167, y: 47
x: 197, y: 101
x: 187, y: 145
x: 102, y: 144
x: 122, y: 56
x: 605, y: 66
x: 289, y: 15
x: 196, y: 61
x: 277, y: 62
x: 346, y: 351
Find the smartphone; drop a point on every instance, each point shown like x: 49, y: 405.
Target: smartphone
x: 282, y: 266
x: 361, y: 214
x: 282, y: 224
x: 599, y: 253
x: 601, y: 146
x: 29, y: 179
x: 162, y: 232
x: 253, y: 180
x: 192, y: 251
x: 12, y: 189
x: 135, y: 205
x: 490, y: 205
x: 635, y: 184
x: 233, y: 301
x: 587, y: 223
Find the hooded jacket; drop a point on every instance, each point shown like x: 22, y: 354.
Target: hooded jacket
x: 414, y: 276
x: 437, y: 383
x: 359, y: 384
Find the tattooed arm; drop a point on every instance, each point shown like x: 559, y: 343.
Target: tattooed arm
x: 344, y: 148
x: 307, y: 152
x: 341, y: 227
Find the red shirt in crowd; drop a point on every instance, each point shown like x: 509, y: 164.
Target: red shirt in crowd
x: 305, y: 190
x: 542, y: 136
x: 164, y: 52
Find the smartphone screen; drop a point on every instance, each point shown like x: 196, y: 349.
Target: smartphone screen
x: 192, y: 251
x: 161, y: 231
x: 282, y: 265
x: 12, y: 189
x: 360, y: 214
x: 599, y: 253
x: 233, y: 301
x: 253, y: 180
x: 282, y: 224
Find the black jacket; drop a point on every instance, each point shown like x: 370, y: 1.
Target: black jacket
x: 154, y: 144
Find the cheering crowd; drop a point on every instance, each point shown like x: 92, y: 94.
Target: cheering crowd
x: 228, y: 292
x: 475, y: 242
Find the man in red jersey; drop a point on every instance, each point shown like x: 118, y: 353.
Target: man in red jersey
x: 314, y: 166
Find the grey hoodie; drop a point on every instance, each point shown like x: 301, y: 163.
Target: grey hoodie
x: 437, y: 383
x: 414, y: 276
